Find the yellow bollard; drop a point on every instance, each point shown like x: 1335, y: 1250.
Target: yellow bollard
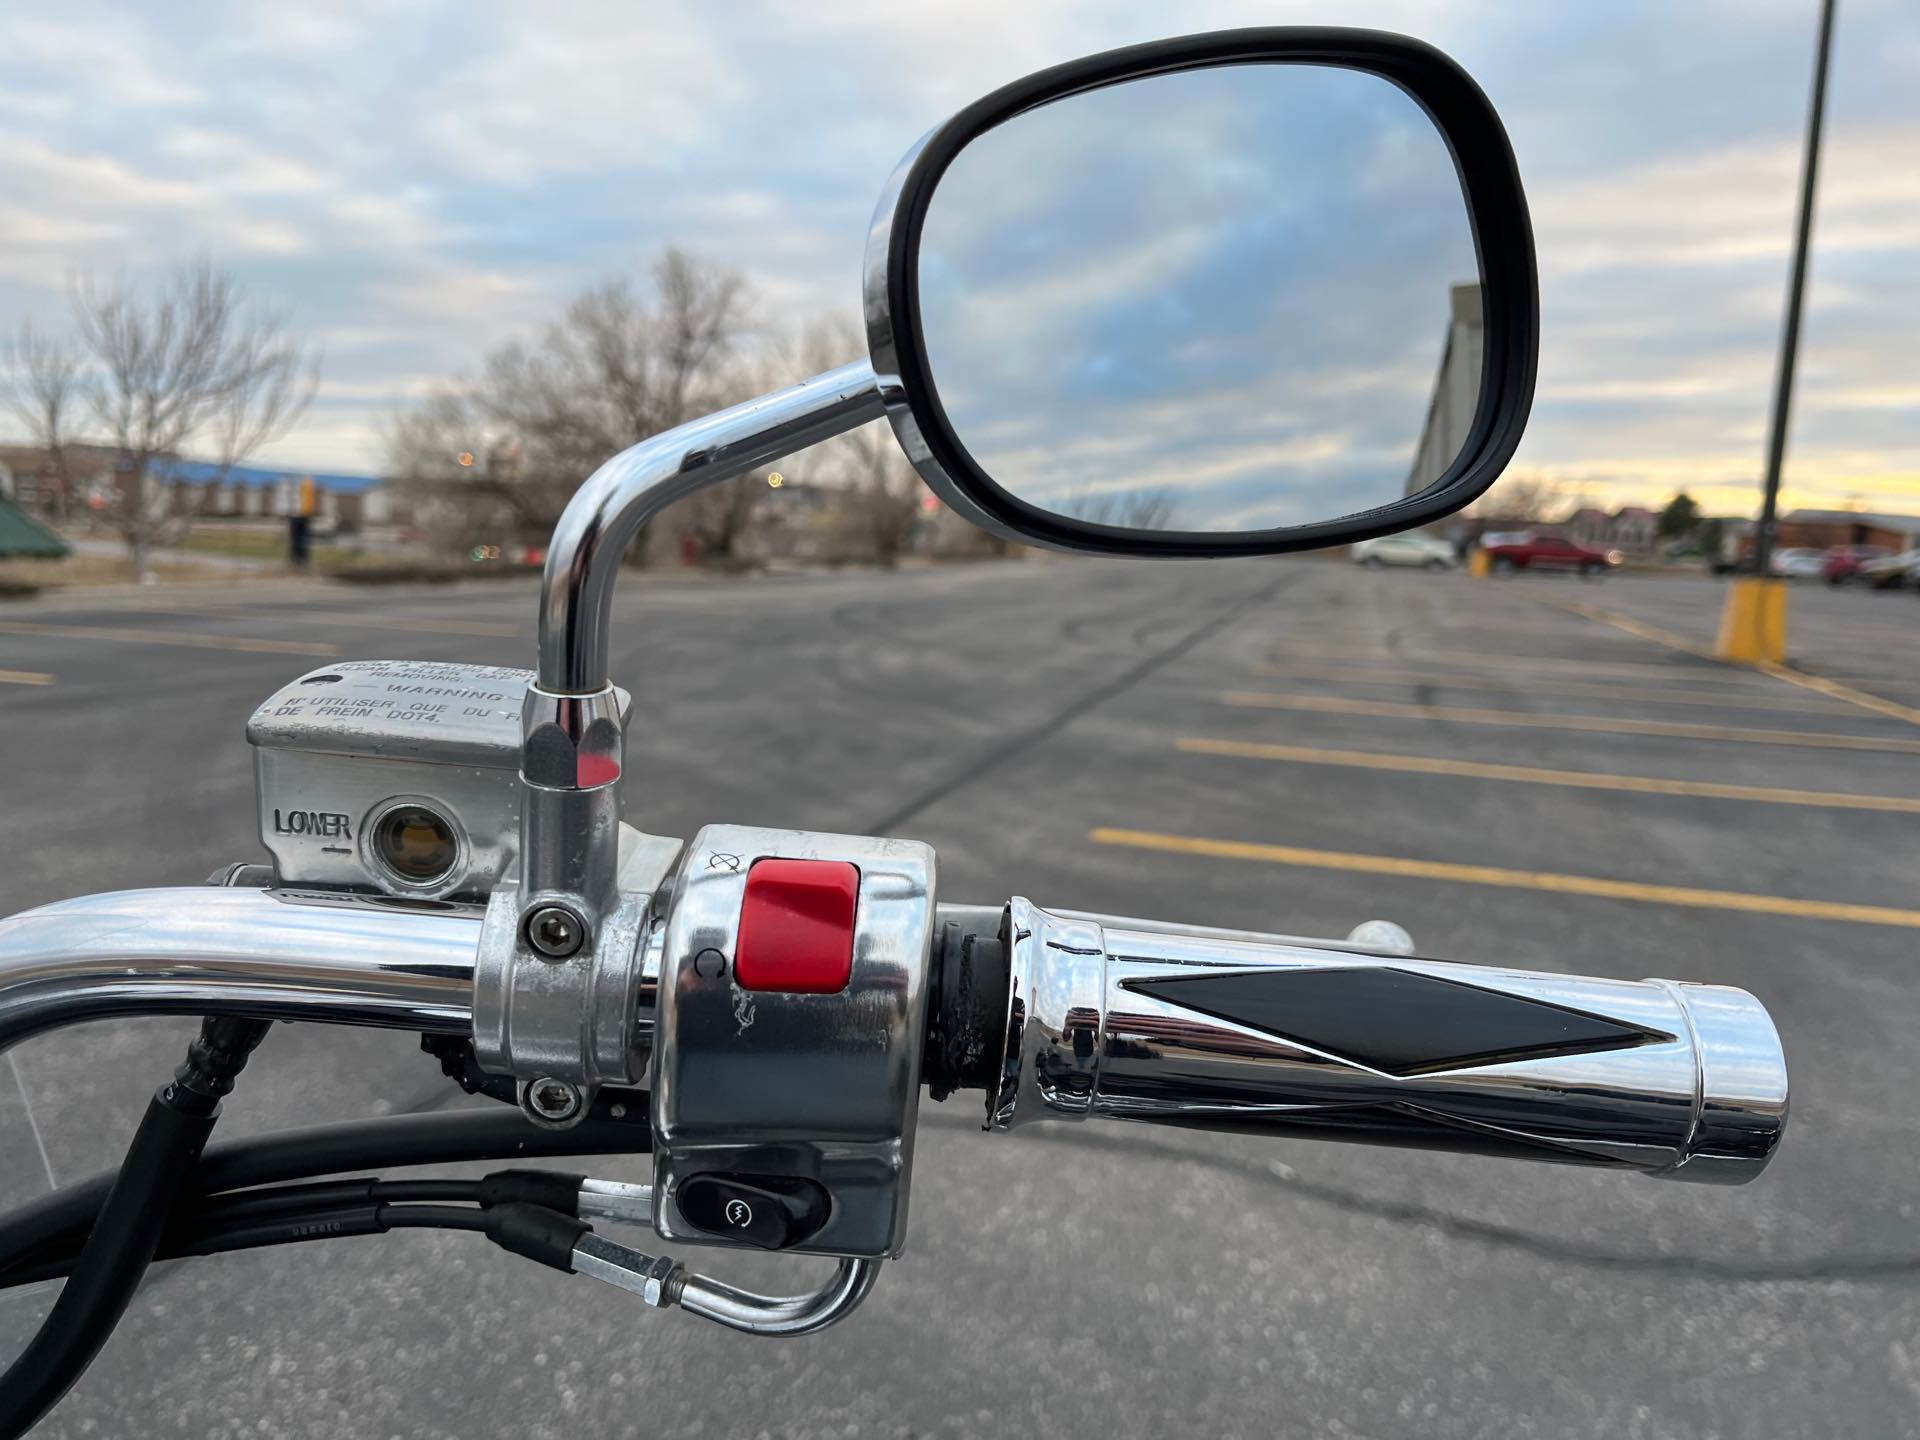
x: 1753, y: 627
x: 1479, y: 564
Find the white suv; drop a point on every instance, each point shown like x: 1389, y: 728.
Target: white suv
x: 1423, y: 552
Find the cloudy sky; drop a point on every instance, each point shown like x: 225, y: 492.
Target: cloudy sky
x: 1221, y: 295
x: 419, y: 181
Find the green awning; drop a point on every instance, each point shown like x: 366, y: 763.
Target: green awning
x: 23, y: 536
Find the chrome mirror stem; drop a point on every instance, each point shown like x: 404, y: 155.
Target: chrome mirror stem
x: 573, y: 723
x: 583, y: 560
x: 573, y: 749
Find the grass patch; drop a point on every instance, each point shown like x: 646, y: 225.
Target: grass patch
x: 269, y: 546
x: 19, y: 578
x: 429, y: 572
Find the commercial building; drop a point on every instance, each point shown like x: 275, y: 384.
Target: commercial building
x: 349, y: 502
x: 1820, y: 529
x: 1456, y: 389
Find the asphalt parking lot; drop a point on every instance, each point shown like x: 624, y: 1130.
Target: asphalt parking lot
x: 1532, y: 772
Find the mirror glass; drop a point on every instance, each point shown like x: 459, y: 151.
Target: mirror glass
x: 1218, y: 300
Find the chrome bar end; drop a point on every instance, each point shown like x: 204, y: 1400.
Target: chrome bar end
x: 1741, y: 1093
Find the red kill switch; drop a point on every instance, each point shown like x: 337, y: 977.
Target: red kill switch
x: 796, y: 926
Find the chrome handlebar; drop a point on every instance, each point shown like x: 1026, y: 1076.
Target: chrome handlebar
x: 1057, y: 1015
x: 200, y: 950
x: 1105, y: 1016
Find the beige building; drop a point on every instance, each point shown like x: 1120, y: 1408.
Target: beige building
x: 1456, y: 390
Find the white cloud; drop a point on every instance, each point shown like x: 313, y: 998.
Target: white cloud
x: 579, y: 89
x: 1733, y: 203
x: 417, y: 182
x: 103, y: 61
x: 234, y: 164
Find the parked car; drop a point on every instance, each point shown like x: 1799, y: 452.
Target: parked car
x: 1797, y: 564
x: 1891, y: 572
x: 1422, y: 552
x: 1551, y: 552
x: 1844, y: 561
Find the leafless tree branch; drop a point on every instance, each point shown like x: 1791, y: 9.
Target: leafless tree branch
x: 43, y: 394
x: 618, y: 366
x: 187, y: 364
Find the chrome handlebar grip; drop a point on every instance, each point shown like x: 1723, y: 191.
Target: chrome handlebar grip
x: 1227, y: 1030
x: 202, y: 951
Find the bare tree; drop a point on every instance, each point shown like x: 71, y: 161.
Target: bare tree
x: 876, y: 504
x: 717, y: 518
x: 879, y: 504
x: 190, y: 365
x: 454, y: 478
x: 43, y: 396
x: 1147, y: 507
x: 617, y: 367
x: 437, y: 441
x: 1520, y: 495
x: 623, y: 363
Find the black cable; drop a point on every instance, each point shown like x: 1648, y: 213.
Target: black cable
x: 548, y: 1189
x: 264, y: 1203
x: 215, y: 1216
x: 515, y: 1225
x: 129, y: 1224
x: 57, y: 1220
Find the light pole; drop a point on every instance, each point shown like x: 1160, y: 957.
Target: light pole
x: 1754, y: 625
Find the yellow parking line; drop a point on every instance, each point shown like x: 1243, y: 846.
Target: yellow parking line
x: 1535, y: 664
x: 189, y: 639
x: 24, y: 677
x: 347, y: 619
x: 1631, y: 626
x: 1528, y: 774
x: 1509, y: 879
x: 1838, y: 691
x: 1726, y: 699
x: 1599, y: 723
x: 1833, y: 689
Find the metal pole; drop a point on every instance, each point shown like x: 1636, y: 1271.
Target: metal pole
x: 1796, y: 289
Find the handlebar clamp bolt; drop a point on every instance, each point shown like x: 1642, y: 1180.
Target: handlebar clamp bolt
x: 555, y: 932
x: 553, y: 1100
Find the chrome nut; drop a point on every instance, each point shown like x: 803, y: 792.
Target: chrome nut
x: 657, y: 1281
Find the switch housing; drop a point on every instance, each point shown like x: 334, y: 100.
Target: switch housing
x: 792, y: 1086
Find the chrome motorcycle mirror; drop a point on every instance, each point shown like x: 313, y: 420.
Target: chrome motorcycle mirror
x: 1230, y: 294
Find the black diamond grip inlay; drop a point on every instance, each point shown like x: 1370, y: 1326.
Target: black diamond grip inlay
x: 1400, y: 1022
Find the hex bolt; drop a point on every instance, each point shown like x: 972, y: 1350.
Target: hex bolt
x: 660, y: 1282
x: 552, y: 1099
x: 555, y: 932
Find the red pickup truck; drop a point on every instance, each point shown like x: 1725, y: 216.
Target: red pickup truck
x: 1551, y: 552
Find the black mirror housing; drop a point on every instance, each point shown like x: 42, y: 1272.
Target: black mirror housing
x: 1502, y: 238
